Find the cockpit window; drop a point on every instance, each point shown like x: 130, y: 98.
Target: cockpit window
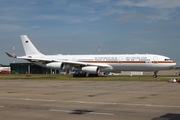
x: 167, y: 60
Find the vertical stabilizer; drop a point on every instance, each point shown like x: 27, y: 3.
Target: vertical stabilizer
x: 29, y: 48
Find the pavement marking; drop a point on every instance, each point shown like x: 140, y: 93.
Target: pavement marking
x: 67, y: 111
x: 85, y: 102
x: 101, y: 113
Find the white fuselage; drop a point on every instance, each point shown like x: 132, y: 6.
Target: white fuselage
x: 121, y: 62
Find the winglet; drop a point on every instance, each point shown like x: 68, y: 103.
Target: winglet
x: 10, y: 55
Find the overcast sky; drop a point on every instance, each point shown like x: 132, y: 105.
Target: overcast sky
x: 80, y: 26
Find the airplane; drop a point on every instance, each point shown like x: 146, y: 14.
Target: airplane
x: 94, y: 64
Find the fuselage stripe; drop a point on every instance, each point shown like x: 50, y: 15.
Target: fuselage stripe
x: 129, y: 62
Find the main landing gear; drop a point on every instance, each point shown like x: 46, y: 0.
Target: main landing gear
x: 83, y: 74
x: 92, y: 75
x: 155, y: 74
x: 79, y: 74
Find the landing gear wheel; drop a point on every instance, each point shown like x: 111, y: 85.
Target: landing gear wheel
x: 92, y: 75
x: 79, y: 74
x: 155, y: 74
x: 74, y: 75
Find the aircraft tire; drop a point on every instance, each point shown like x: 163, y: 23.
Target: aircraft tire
x: 154, y: 76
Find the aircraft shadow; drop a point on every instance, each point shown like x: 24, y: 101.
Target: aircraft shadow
x: 80, y: 112
x: 168, y: 116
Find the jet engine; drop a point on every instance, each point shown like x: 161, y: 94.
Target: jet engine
x: 91, y: 69
x: 55, y: 65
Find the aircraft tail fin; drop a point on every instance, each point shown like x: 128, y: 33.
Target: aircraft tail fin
x: 29, y: 48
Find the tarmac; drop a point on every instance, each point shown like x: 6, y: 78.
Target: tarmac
x: 88, y: 100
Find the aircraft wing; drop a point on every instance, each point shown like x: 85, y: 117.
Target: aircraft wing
x: 72, y: 63
x: 46, y: 60
x: 36, y: 59
x: 85, y: 64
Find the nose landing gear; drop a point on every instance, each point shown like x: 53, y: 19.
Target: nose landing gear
x: 155, y: 74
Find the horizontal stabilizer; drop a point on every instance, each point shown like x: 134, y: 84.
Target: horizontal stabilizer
x: 10, y: 55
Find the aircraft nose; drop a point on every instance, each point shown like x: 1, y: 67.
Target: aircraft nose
x: 173, y: 64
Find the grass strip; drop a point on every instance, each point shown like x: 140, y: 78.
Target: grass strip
x: 70, y: 77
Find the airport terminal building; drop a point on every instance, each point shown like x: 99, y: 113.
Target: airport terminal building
x: 29, y: 68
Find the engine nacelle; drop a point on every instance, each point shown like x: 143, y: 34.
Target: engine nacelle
x: 55, y: 65
x: 91, y: 69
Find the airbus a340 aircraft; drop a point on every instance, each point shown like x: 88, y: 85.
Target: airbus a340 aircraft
x: 94, y: 64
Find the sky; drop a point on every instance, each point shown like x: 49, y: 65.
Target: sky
x: 80, y: 26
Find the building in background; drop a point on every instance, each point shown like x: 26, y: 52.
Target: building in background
x: 28, y: 68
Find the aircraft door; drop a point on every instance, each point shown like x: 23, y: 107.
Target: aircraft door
x: 155, y: 59
x: 148, y: 64
x: 74, y: 59
x: 120, y: 60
